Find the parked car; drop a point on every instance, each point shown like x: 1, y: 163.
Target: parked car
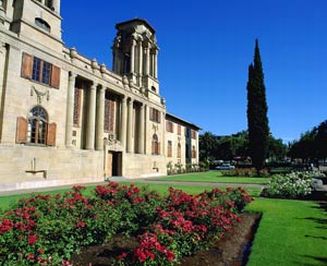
x: 225, y: 167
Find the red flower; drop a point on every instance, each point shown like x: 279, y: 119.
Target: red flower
x: 170, y: 255
x: 30, y: 257
x: 32, y: 239
x: 81, y: 224
x: 6, y: 226
x: 122, y: 256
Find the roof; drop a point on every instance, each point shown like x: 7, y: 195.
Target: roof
x: 135, y: 20
x: 169, y: 115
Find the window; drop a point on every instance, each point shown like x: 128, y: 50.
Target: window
x: 187, y: 152
x: 170, y: 126
x: 49, y: 3
x: 77, y: 106
x: 42, y: 24
x: 193, y: 152
x: 37, y: 126
x: 193, y: 134
x: 187, y: 132
x: 41, y: 71
x: 153, y: 89
x: 36, y: 129
x: 155, y: 115
x: 155, y: 145
x: 109, y: 116
x: 179, y: 150
x: 170, y: 149
x: 38, y: 70
x: 179, y: 130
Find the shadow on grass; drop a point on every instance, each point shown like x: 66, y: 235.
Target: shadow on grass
x: 320, y: 259
x: 317, y: 237
x: 322, y: 221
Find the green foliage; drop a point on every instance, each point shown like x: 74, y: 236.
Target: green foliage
x: 257, y: 112
x: 227, y: 148
x: 312, y: 145
x: 247, y: 172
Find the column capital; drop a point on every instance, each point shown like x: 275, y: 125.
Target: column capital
x: 72, y: 76
x: 102, y: 88
x: 94, y: 86
x: 124, y: 99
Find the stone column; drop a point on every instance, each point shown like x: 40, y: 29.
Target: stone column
x: 147, y: 61
x: 70, y: 109
x: 146, y: 118
x: 141, y: 130
x: 123, y: 121
x: 100, y: 119
x: 90, y: 127
x: 133, y: 56
x: 156, y: 64
x: 140, y: 46
x: 130, y: 146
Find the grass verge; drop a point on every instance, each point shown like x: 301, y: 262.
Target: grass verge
x: 290, y: 233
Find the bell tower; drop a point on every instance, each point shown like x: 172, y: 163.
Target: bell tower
x: 135, y: 54
x: 39, y: 21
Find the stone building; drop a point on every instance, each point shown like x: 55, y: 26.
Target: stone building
x: 66, y: 119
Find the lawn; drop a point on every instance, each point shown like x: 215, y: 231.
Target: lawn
x: 214, y: 176
x: 7, y: 201
x: 290, y: 233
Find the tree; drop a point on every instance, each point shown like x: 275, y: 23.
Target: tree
x: 321, y: 141
x: 257, y: 112
x: 207, y: 146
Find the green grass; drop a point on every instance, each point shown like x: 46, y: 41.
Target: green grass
x: 214, y: 176
x: 7, y: 201
x: 290, y: 233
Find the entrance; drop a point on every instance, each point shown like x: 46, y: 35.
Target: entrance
x: 114, y: 164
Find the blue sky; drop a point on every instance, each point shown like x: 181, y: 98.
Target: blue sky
x: 206, y: 47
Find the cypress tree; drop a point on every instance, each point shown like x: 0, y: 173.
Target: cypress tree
x: 257, y: 112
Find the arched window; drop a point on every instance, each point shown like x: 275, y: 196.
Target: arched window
x: 42, y: 24
x: 179, y: 150
x: 155, y: 145
x: 37, y: 125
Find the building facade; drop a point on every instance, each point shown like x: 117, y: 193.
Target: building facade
x: 67, y: 119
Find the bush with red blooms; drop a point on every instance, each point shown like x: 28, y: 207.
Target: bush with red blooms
x: 49, y: 229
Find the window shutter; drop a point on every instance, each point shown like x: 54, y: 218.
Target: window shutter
x: 21, y: 130
x: 27, y: 66
x: 158, y: 148
x: 51, y: 138
x: 159, y: 116
x: 55, y: 77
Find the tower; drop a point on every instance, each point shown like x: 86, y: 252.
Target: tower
x: 38, y: 21
x: 135, y: 54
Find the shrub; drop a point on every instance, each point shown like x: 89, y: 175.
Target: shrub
x: 247, y: 172
x: 48, y: 230
x: 293, y: 185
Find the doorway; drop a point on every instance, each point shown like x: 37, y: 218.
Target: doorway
x: 114, y: 164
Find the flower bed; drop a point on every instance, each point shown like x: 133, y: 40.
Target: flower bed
x: 48, y: 230
x: 295, y: 185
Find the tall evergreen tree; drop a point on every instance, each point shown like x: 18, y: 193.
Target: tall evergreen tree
x: 257, y: 112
